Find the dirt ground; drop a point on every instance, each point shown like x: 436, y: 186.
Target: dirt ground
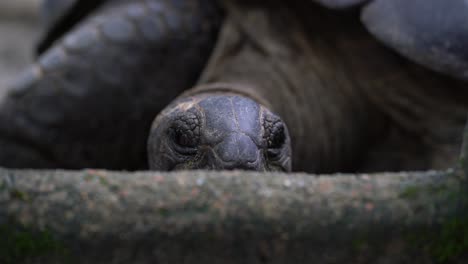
x: 19, y: 31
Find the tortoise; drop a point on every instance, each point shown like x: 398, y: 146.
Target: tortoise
x: 302, y: 85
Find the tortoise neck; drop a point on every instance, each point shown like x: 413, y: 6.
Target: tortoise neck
x: 339, y: 91
x: 300, y: 79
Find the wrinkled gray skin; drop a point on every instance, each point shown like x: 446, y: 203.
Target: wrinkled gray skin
x: 210, y: 131
x: 108, y: 69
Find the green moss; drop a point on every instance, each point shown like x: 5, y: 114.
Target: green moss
x: 413, y: 192
x: 20, y: 245
x: 410, y: 192
x: 446, y: 243
x: 164, y: 212
x: 19, y: 195
x: 360, y: 244
x: 449, y: 240
x: 3, y: 186
x: 89, y: 177
x: 452, y: 240
x: 103, y: 181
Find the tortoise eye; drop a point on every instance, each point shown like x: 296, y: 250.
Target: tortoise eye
x: 185, y: 138
x: 274, y: 133
x: 185, y: 130
x: 277, y: 136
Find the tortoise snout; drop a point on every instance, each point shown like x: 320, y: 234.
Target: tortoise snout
x: 238, y: 151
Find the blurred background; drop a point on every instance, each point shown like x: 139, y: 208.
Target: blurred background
x: 19, y: 30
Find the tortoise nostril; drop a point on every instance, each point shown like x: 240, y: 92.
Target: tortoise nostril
x: 238, y: 150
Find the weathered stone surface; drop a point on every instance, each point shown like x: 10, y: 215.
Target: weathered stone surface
x: 234, y: 217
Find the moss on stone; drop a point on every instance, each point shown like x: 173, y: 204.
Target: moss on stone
x: 3, y: 185
x: 444, y: 244
x: 19, y: 195
x: 20, y: 245
x: 410, y: 192
x: 360, y: 244
x: 88, y: 177
x: 449, y: 240
x: 103, y: 181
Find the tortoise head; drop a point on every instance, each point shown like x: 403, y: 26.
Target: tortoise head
x: 221, y: 132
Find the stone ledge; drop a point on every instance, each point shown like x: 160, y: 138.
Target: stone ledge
x: 95, y: 216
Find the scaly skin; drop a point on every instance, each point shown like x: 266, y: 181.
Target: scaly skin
x: 89, y: 100
x: 54, y: 10
x: 59, y: 16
